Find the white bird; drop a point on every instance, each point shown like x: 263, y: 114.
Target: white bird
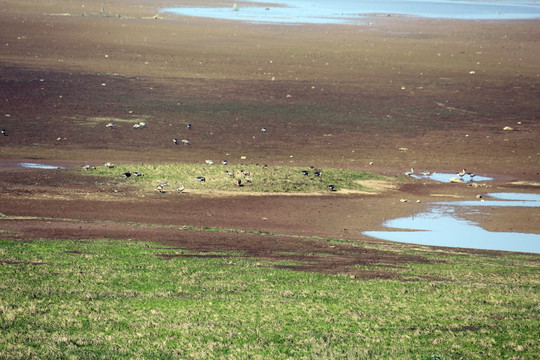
x: 185, y: 141
x: 209, y: 162
x: 161, y: 186
x: 409, y: 173
x: 462, y: 173
x: 109, y: 165
x: 180, y: 188
x: 111, y: 125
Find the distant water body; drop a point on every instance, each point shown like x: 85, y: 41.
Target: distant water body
x: 357, y: 11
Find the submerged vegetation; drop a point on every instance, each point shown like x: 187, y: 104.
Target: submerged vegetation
x: 117, y: 299
x: 253, y: 178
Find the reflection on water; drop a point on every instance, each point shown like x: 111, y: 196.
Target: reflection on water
x: 441, y: 227
x: 353, y: 11
x: 38, y: 166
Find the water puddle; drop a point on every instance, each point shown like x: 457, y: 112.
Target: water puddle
x: 352, y: 11
x: 39, y: 166
x: 442, y: 227
x: 444, y: 177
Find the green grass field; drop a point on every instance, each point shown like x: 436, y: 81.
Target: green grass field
x: 267, y: 179
x: 111, y: 299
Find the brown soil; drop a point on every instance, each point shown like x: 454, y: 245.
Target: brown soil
x: 397, y: 93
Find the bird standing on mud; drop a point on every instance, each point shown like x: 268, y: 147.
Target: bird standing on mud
x: 4, y: 132
x: 409, y: 173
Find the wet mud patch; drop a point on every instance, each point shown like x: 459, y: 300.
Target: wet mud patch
x: 308, y: 254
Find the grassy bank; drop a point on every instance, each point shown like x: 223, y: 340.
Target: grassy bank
x: 113, y: 299
x: 254, y: 178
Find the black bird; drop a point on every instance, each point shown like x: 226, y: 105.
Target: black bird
x: 4, y: 132
x: 305, y: 172
x: 201, y: 178
x: 189, y: 126
x: 138, y: 173
x: 175, y: 140
x: 126, y: 174
x: 332, y: 187
x: 239, y: 182
x: 317, y: 173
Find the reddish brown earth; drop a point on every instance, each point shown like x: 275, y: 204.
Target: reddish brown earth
x: 397, y: 92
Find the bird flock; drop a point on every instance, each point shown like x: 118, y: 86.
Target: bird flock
x: 459, y: 178
x: 239, y: 178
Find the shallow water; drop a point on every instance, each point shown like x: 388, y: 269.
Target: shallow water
x: 353, y: 11
x: 445, y: 177
x: 442, y: 227
x: 38, y: 166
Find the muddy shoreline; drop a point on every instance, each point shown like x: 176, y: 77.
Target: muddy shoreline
x: 398, y: 93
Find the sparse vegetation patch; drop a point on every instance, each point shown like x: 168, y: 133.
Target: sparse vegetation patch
x: 238, y: 178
